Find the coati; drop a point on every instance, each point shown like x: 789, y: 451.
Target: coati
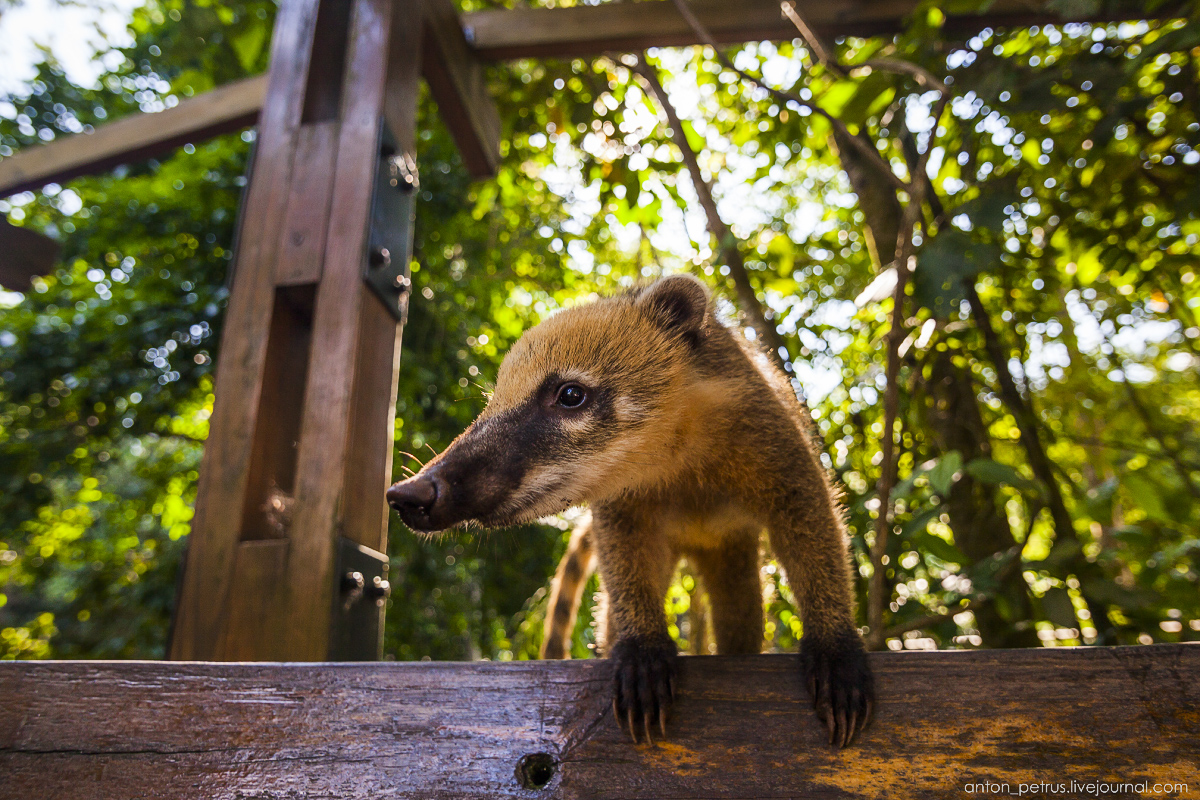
x: 683, y: 440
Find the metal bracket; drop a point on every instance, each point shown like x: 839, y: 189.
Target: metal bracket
x: 362, y: 589
x: 393, y: 216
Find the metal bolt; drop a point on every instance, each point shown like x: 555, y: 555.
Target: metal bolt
x: 380, y: 258
x: 353, y: 581
x: 402, y: 168
x: 379, y: 590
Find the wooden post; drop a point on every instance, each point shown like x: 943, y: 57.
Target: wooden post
x: 300, y: 446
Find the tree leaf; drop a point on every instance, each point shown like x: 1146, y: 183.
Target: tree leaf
x: 942, y: 266
x: 1148, y: 495
x: 937, y: 546
x: 941, y: 477
x: 919, y: 522
x: 993, y: 472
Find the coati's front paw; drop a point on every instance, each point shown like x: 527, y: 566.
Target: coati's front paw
x: 840, y: 684
x: 643, y: 683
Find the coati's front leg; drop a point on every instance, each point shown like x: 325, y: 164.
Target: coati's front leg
x: 808, y: 537
x: 636, y: 563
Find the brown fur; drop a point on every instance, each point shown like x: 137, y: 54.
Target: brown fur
x: 690, y: 444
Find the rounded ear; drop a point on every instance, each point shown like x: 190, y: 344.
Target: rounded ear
x: 678, y: 304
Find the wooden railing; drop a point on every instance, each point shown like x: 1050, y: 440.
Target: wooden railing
x: 948, y: 725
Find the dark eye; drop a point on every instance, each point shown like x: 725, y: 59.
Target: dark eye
x: 570, y: 395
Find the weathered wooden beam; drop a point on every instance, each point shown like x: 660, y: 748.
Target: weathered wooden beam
x: 741, y: 728
x: 588, y: 30
x: 454, y: 73
x: 306, y: 381
x: 264, y: 349
x: 456, y: 79
x: 138, y: 136
x: 23, y: 254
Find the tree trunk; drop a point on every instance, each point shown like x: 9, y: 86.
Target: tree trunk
x: 980, y: 527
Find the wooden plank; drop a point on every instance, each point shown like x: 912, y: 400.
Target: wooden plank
x: 303, y: 243
x: 498, y: 34
x: 456, y: 79
x: 203, y: 605
x: 741, y: 728
x: 325, y: 430
x: 24, y: 253
x: 368, y: 471
x: 136, y: 137
x: 255, y: 616
x: 589, y: 30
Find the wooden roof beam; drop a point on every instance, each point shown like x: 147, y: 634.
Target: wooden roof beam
x: 628, y: 26
x: 136, y: 137
x: 455, y: 77
x: 454, y: 74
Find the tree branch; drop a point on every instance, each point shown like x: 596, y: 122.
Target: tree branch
x: 1127, y: 447
x: 1172, y: 451
x: 924, y: 78
x: 876, y: 197
x: 865, y: 149
x: 810, y: 37
x: 1026, y: 422
x: 891, y: 409
x: 726, y: 241
x: 879, y: 208
x: 1039, y: 462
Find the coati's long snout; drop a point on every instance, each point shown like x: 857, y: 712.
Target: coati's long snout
x: 476, y: 479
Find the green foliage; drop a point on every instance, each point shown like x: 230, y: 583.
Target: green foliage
x: 105, y: 383
x: 1066, y: 187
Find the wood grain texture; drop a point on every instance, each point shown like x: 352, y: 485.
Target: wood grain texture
x: 325, y: 427
x: 741, y: 728
x: 368, y: 470
x: 456, y: 80
x: 202, y: 607
x: 227, y: 108
x: 254, y: 613
x: 587, y: 30
x: 507, y: 34
x: 303, y: 231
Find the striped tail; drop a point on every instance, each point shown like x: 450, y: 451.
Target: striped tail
x: 566, y: 591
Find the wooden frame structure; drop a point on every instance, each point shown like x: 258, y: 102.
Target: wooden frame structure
x: 950, y: 725
x: 291, y: 521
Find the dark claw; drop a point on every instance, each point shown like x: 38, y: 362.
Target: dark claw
x: 643, y: 684
x: 839, y: 683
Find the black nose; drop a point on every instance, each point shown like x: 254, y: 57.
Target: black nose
x: 418, y: 493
